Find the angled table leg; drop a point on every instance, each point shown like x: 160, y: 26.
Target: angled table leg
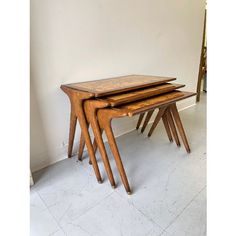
x: 82, y: 145
x: 157, y: 119
x: 167, y: 127
x: 91, y: 107
x: 140, y: 120
x: 84, y: 128
x: 95, y: 146
x: 73, y: 121
x: 148, y: 117
x: 105, y: 117
x: 172, y: 126
x: 77, y: 99
x: 180, y: 126
x: 162, y: 115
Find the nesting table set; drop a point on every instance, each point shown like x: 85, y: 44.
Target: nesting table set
x: 98, y: 102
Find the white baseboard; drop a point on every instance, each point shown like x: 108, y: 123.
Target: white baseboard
x: 31, y: 179
x: 184, y: 108
x: 46, y: 159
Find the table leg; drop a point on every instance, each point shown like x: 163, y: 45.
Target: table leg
x: 104, y: 120
x: 180, y: 126
x: 84, y: 129
x: 76, y: 99
x: 157, y: 119
x: 81, y: 147
x: 90, y: 108
x: 167, y: 127
x: 140, y: 120
x: 172, y: 126
x: 148, y: 117
x: 73, y: 120
x: 95, y: 146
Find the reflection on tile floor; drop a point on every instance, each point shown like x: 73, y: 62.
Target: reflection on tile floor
x: 169, y: 189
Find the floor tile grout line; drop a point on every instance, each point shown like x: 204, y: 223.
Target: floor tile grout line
x: 58, y: 223
x: 64, y: 213
x: 98, y: 203
x: 187, y: 205
x: 95, y: 205
x: 77, y: 225
x: 150, y: 219
x: 148, y: 232
x: 163, y: 232
x: 115, y: 192
x: 147, y: 217
x: 48, y: 207
x: 45, y: 206
x: 51, y: 234
x: 51, y: 213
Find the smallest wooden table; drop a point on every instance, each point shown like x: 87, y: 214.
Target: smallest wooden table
x: 165, y: 103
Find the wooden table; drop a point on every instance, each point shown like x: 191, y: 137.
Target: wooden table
x: 98, y: 102
x: 79, y: 92
x: 92, y: 106
x: 167, y: 104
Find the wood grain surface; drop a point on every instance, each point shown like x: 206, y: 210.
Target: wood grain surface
x: 147, y: 104
x: 118, y: 84
x: 139, y: 94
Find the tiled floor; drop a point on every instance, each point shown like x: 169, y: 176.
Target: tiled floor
x: 169, y: 189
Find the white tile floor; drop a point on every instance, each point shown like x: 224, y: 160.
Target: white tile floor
x: 169, y: 189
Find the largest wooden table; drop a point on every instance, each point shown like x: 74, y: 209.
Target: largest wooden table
x: 79, y: 92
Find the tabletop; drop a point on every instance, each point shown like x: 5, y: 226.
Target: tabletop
x: 135, y: 95
x: 147, y: 104
x: 118, y: 84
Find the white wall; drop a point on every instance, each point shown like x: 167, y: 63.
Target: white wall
x: 79, y: 40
